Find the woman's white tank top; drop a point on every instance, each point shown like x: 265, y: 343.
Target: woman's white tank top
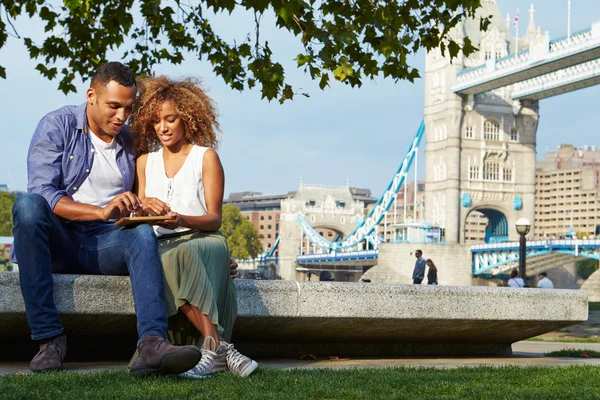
x: 184, y: 193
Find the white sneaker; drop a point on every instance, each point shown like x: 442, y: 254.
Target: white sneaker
x: 214, y: 359
x: 238, y: 363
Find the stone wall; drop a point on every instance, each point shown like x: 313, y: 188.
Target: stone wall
x: 397, y: 260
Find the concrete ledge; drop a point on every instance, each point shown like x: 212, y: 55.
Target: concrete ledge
x: 286, y: 318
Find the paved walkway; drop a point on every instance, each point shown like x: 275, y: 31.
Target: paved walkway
x: 525, y: 354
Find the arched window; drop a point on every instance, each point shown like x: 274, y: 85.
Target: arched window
x: 469, y: 131
x: 507, y: 174
x: 491, y: 171
x: 488, y: 54
x: 499, y: 52
x: 491, y: 130
x: 514, y: 135
x: 474, y: 172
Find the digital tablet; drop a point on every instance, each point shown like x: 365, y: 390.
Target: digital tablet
x: 128, y: 221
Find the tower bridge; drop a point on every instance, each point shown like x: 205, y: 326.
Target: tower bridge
x: 481, y: 117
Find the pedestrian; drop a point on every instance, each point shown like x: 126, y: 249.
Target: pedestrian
x: 515, y: 281
x: 544, y: 282
x: 419, y: 271
x: 432, y: 278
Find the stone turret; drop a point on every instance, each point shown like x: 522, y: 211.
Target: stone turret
x: 480, y: 150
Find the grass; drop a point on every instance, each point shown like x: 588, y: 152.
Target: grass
x: 577, y: 353
x: 581, y: 382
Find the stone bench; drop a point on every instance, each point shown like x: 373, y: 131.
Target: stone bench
x: 287, y: 318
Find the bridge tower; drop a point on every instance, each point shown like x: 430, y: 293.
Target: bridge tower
x: 480, y: 149
x: 327, y: 207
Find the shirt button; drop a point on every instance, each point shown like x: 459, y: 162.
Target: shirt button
x: 74, y: 188
x: 70, y: 158
x: 92, y: 150
x: 87, y: 170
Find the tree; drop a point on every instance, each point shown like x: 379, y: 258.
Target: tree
x: 587, y: 267
x: 349, y: 41
x: 6, y: 222
x: 242, y: 238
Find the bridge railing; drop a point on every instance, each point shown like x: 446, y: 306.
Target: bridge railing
x: 338, y: 256
x: 577, y: 42
x: 489, y: 256
x: 548, y: 243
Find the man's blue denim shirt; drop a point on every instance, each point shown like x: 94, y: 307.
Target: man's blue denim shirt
x: 61, y: 155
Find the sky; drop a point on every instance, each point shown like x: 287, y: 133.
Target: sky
x: 341, y: 133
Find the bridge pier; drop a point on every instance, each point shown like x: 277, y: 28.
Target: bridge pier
x: 397, y: 260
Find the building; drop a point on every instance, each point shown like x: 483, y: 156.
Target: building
x: 403, y: 213
x: 567, y: 192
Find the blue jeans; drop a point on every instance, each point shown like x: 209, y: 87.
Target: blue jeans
x: 44, y: 244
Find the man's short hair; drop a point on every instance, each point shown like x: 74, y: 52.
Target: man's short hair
x: 543, y: 274
x: 419, y: 251
x: 114, y: 71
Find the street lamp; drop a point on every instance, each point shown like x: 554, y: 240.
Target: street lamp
x: 523, y: 226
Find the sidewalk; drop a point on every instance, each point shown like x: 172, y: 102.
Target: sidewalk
x: 526, y: 354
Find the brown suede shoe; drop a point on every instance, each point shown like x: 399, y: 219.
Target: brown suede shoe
x: 159, y: 357
x: 51, y: 355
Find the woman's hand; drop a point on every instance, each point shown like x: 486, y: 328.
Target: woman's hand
x: 154, y: 206
x: 172, y: 223
x: 233, y: 273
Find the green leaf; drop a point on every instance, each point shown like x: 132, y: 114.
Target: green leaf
x: 324, y: 82
x: 2, y: 72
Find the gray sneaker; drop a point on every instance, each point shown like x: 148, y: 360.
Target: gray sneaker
x: 238, y: 363
x: 214, y: 359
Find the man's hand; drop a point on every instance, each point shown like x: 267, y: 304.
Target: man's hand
x: 154, y: 206
x: 120, y: 206
x: 233, y: 272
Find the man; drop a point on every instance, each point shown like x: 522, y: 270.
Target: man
x: 81, y: 170
x: 419, y: 271
x: 544, y: 282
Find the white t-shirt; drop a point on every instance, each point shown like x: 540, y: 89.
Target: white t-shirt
x: 516, y: 282
x: 184, y: 193
x: 545, y: 283
x: 104, y: 180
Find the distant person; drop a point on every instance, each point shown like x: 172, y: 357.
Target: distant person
x: 544, y: 282
x: 419, y: 271
x: 432, y: 278
x: 514, y: 280
x: 81, y: 170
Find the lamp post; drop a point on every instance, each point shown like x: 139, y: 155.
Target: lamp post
x: 523, y: 226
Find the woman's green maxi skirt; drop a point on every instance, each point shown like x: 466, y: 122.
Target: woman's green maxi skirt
x: 196, y: 271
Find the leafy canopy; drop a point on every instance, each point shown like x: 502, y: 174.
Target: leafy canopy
x: 6, y: 222
x: 242, y: 238
x: 346, y: 40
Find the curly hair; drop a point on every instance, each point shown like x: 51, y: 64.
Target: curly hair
x: 197, y: 111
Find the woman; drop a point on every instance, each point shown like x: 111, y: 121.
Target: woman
x: 180, y: 175
x: 513, y: 281
x: 431, y: 273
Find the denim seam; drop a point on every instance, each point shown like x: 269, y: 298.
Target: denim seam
x: 48, y: 335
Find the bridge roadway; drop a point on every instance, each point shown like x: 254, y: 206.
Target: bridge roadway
x: 495, y: 258
x: 488, y: 259
x: 349, y: 261
x: 544, y: 58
